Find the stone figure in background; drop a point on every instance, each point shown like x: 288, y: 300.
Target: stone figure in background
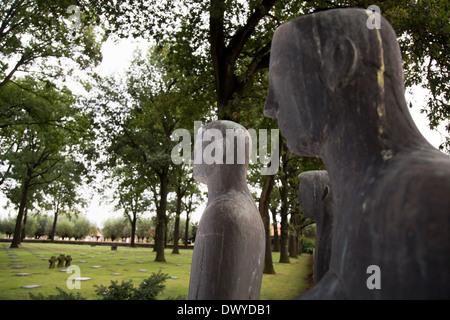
x: 61, y: 260
x: 52, y: 262
x: 315, y: 199
x: 336, y: 89
x: 228, y: 258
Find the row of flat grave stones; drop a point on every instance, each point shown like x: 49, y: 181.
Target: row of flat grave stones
x: 63, y: 259
x: 24, y: 274
x: 86, y: 278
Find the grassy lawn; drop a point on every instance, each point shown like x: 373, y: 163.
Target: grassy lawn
x: 134, y: 264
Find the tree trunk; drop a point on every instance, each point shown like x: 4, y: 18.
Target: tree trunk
x: 55, y: 221
x: 176, y: 231
x: 186, y: 231
x: 133, y: 229
x: 284, y: 224
x: 160, y: 230
x: 24, y: 225
x: 264, y: 201
x: 224, y: 56
x: 284, y: 239
x: 293, y: 236
x: 276, y: 239
x: 23, y: 203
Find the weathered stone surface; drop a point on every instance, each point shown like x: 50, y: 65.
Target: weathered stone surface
x: 315, y: 199
x: 228, y: 257
x: 336, y: 89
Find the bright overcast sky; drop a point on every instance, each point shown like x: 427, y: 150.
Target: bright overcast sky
x: 116, y: 59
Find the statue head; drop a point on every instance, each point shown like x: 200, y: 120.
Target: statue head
x: 221, y: 147
x: 329, y: 73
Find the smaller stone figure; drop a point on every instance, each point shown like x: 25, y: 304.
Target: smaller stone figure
x: 228, y: 258
x: 316, y: 201
x: 68, y: 260
x: 52, y: 261
x: 61, y: 259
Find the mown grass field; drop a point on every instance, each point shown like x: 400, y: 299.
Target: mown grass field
x: 289, y: 281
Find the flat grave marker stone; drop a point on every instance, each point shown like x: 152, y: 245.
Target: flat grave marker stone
x: 31, y: 286
x: 81, y: 279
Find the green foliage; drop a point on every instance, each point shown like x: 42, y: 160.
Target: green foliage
x: 149, y: 289
x: 7, y: 226
x: 228, y: 43
x: 61, y: 295
x: 310, y: 230
x: 116, y: 291
x: 42, y: 132
x: 76, y: 227
x: 114, y: 228
x: 424, y: 36
x: 81, y: 227
x: 308, y: 245
x: 145, y: 228
x: 34, y: 31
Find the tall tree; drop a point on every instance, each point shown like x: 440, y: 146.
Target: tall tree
x: 264, y: 211
x: 131, y: 195
x: 156, y: 101
x: 284, y: 211
x: 62, y: 195
x: 185, y: 188
x: 41, y: 124
x: 228, y: 42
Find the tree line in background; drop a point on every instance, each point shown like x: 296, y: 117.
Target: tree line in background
x: 209, y: 62
x: 114, y: 229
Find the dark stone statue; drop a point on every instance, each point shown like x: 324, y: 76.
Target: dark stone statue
x: 336, y: 89
x: 315, y: 199
x: 228, y: 258
x: 52, y: 262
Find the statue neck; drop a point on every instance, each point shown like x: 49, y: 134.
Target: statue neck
x: 357, y: 149
x: 226, y: 178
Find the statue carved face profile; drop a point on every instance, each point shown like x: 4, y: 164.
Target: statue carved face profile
x: 336, y: 89
x: 331, y: 76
